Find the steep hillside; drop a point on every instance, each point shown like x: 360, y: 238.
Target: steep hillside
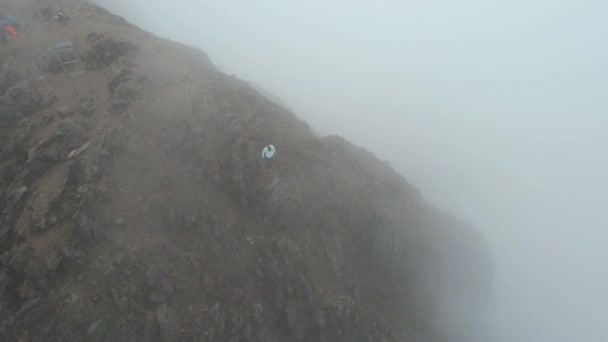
x: 135, y: 207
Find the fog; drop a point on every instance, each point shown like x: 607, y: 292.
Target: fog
x: 496, y: 110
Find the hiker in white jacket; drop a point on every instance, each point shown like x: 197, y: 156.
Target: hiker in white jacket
x: 268, y: 156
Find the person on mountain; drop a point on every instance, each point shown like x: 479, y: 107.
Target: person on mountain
x: 268, y: 157
x: 14, y: 22
x: 11, y: 31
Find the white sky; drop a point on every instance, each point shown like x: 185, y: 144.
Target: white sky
x: 496, y: 110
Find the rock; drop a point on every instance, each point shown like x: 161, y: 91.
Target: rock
x: 247, y: 334
x: 17, y: 195
x: 74, y: 255
x: 283, y: 204
x: 342, y: 312
x: 218, y: 316
x: 295, y: 320
x: 237, y: 296
x: 85, y: 230
x: 218, y: 229
x: 17, y: 262
x: 5, y: 336
x: 8, y: 78
x: 64, y: 112
x: 21, y: 100
x: 163, y: 292
x: 65, y: 334
x: 105, y: 52
x: 33, y: 312
x: 94, y: 36
x: 291, y: 313
x: 87, y: 106
x: 158, y: 297
x: 154, y: 275
x: 260, y: 273
x: 120, y: 73
x: 5, y: 282
x: 279, y: 298
x: 97, y: 331
x: 170, y: 327
x: 119, y: 258
x: 124, y: 304
x: 56, y: 148
x: 50, y: 150
x: 113, y: 142
x: 46, y: 120
x: 34, y: 168
x: 54, y: 261
x: 320, y: 318
x: 42, y: 223
x: 237, y: 321
x: 332, y: 248
x: 122, y: 87
x: 151, y: 332
x: 73, y: 134
x: 34, y: 269
x: 164, y: 265
x: 166, y: 287
x: 258, y: 310
x: 124, y: 96
x: 208, y: 282
x: 136, y: 294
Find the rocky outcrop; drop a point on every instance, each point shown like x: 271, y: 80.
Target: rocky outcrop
x: 105, y: 51
x: 21, y: 100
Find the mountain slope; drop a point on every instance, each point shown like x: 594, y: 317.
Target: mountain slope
x: 135, y: 207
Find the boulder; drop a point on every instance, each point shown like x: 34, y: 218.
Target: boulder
x: 170, y: 326
x: 33, y: 312
x: 97, y: 331
x: 106, y: 51
x: 208, y: 282
x: 21, y: 100
x: 73, y: 134
x: 87, y: 106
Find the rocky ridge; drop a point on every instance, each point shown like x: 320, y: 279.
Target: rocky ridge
x: 135, y: 207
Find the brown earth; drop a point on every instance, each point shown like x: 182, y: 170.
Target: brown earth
x: 134, y: 207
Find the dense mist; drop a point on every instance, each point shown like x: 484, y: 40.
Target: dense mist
x: 496, y: 110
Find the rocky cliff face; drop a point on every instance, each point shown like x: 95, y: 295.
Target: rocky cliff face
x: 134, y: 207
